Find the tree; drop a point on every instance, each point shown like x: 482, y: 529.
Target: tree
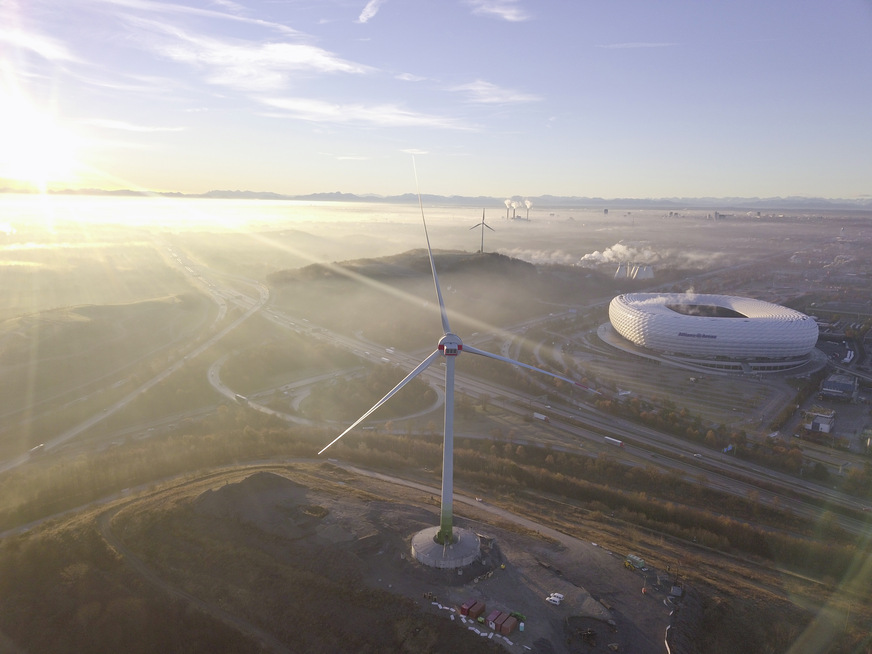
x: 819, y: 472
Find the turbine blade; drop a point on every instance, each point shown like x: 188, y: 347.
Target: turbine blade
x: 489, y: 227
x: 476, y: 225
x: 417, y: 371
x: 446, y: 328
x: 475, y: 350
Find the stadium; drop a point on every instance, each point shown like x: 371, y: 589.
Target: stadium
x: 716, y: 332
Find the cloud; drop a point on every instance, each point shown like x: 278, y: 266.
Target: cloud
x: 508, y: 10
x: 130, y: 82
x: 44, y: 46
x: 227, y: 4
x: 620, y: 253
x: 370, y: 10
x: 482, y: 92
x: 385, y: 115
x: 409, y: 77
x: 646, y: 255
x: 541, y: 257
x: 345, y: 157
x: 244, y: 64
x: 164, y: 8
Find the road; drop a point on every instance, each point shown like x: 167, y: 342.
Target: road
x: 254, y: 305
x: 572, y: 424
x: 580, y: 423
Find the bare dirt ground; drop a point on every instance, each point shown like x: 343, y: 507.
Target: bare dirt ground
x: 368, y: 523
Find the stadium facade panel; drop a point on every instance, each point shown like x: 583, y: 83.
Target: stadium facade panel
x: 713, y: 326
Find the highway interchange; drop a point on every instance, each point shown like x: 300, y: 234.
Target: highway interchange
x: 573, y: 426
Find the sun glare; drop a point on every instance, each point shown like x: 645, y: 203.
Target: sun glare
x: 36, y: 150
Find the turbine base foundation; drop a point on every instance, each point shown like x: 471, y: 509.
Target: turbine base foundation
x: 462, y: 552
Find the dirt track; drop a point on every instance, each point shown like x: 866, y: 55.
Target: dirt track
x: 376, y: 532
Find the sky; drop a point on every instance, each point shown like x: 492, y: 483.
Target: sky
x: 500, y: 98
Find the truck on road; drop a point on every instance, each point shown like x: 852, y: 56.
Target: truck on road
x: 634, y: 562
x: 542, y: 417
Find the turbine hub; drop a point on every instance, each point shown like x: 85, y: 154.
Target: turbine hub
x: 450, y: 345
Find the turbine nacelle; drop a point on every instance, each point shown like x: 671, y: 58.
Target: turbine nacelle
x: 450, y: 345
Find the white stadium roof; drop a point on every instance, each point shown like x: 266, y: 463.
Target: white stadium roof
x: 712, y: 326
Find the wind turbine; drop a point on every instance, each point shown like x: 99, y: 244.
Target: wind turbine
x: 482, y: 224
x: 450, y: 347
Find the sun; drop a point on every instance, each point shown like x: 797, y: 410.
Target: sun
x: 36, y: 151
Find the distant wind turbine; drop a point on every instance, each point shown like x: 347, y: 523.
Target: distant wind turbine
x: 450, y: 346
x: 482, y: 224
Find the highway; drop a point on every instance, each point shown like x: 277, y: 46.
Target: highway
x: 573, y: 426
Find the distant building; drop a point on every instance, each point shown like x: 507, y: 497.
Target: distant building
x: 715, y: 331
x: 634, y: 271
x: 621, y: 272
x: 818, y: 419
x: 643, y: 272
x: 841, y: 387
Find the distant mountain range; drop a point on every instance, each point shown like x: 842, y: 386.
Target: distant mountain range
x: 794, y: 203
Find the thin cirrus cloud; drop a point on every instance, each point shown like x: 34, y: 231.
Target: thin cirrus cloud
x: 409, y: 77
x: 166, y: 9
x: 44, y: 46
x: 481, y: 92
x: 508, y: 10
x: 244, y: 64
x: 385, y: 115
x: 370, y: 10
x: 263, y: 70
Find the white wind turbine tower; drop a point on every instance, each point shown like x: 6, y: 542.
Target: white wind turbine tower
x: 482, y: 224
x: 444, y: 546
